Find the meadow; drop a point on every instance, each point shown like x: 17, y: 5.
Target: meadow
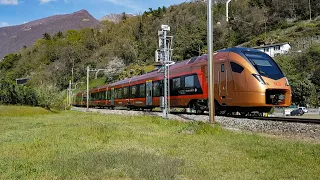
x: 39, y: 144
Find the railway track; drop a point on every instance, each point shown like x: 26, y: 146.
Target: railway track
x: 281, y: 119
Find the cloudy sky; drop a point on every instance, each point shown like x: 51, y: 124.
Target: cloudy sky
x: 13, y: 12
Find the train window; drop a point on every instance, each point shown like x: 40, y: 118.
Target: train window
x: 109, y: 95
x: 103, y: 95
x: 222, y: 67
x: 264, y: 64
x: 125, y: 92
x: 236, y: 67
x: 156, y: 89
x: 176, y: 83
x: 133, y: 91
x: 113, y: 95
x: 189, y: 81
x: 142, y: 90
x: 116, y: 93
x: 120, y: 93
x: 106, y: 92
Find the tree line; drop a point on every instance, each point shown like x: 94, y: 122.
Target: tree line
x: 125, y: 48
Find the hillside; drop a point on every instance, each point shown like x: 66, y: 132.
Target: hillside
x: 13, y: 38
x: 126, y: 47
x: 116, y: 18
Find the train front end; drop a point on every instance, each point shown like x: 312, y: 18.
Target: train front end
x: 268, y: 80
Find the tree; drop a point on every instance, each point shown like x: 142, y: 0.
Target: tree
x: 58, y: 35
x: 49, y: 96
x: 46, y: 36
x: 124, y: 17
x: 114, y: 69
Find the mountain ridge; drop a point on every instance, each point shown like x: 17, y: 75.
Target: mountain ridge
x: 13, y: 38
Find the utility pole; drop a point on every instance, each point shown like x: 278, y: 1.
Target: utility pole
x: 67, y: 97
x: 88, y: 76
x: 164, y: 55
x: 98, y: 70
x: 227, y: 9
x: 70, y: 94
x: 310, y: 10
x: 210, y: 62
x: 72, y: 72
x: 88, y: 94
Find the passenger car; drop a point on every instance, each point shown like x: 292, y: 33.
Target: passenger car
x: 297, y: 112
x: 305, y: 110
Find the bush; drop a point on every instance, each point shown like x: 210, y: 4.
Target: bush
x: 50, y: 97
x: 272, y: 111
x: 17, y: 94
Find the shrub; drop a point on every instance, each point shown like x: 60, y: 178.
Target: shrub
x: 49, y: 97
x: 17, y: 94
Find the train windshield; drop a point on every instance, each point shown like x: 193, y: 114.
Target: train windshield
x: 264, y: 64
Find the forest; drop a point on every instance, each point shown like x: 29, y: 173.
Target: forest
x: 127, y: 48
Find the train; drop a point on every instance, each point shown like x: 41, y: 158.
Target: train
x: 245, y: 81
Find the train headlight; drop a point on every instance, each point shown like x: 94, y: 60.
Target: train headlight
x: 259, y: 78
x: 287, y: 82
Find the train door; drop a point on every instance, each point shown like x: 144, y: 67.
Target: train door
x: 112, y: 96
x: 225, y: 87
x: 81, y: 102
x: 149, y: 93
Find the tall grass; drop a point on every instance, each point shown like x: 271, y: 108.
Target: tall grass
x: 22, y: 111
x: 74, y: 145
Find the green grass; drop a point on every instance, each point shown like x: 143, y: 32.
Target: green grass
x: 74, y: 145
x: 22, y: 111
x: 312, y: 116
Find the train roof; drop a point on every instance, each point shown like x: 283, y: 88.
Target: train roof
x: 178, y: 64
x: 239, y: 49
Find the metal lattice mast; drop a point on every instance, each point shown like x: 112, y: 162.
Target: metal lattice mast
x: 164, y: 55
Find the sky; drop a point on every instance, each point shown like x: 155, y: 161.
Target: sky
x: 15, y: 12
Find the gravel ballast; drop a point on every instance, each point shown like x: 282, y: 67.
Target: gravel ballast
x: 300, y: 130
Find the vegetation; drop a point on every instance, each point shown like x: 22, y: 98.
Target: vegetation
x: 44, y: 96
x: 303, y: 72
x: 74, y: 145
x: 13, y: 94
x: 126, y: 47
x: 18, y: 111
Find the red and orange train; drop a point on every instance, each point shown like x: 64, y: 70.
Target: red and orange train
x: 246, y: 80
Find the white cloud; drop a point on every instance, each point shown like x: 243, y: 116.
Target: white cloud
x: 125, y: 3
x: 3, y: 24
x: 10, y: 2
x: 46, y: 1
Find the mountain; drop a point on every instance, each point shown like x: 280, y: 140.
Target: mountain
x: 116, y: 18
x: 13, y: 38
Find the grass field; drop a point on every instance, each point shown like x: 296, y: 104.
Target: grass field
x: 312, y: 116
x: 74, y: 145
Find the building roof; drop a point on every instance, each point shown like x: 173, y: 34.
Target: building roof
x: 270, y: 45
